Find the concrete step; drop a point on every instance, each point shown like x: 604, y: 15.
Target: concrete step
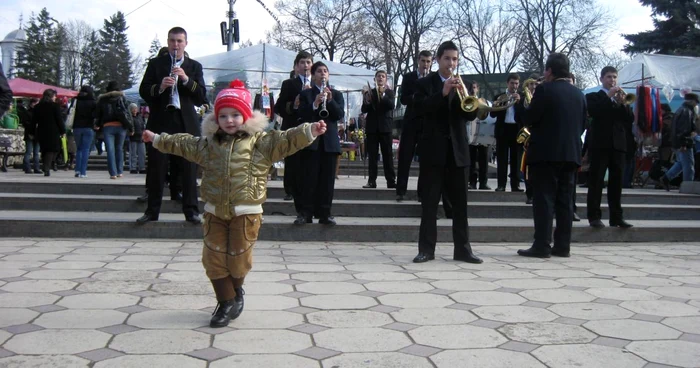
x: 280, y: 228
x: 341, y: 208
x: 70, y: 185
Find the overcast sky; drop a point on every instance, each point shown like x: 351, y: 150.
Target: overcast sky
x: 201, y: 19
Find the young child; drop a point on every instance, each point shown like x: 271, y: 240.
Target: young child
x: 235, y: 154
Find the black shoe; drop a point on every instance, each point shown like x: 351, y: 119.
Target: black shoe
x: 222, y: 314
x: 472, y: 186
x: 143, y: 198
x: 38, y: 172
x: 133, y: 172
x: 146, y: 218
x: 666, y: 183
x: 517, y: 189
x: 288, y: 197
x: 391, y: 185
x: 400, y: 198
x: 528, y: 201
x: 500, y: 189
x: 47, y: 173
x: 177, y: 198
x: 423, y: 257
x: 142, y: 171
x: 370, y: 185
x: 596, y: 224
x: 576, y: 218
x: 327, y: 221
x: 535, y: 253
x: 77, y: 175
x: 27, y: 171
x: 484, y: 187
x: 469, y: 258
x: 301, y: 220
x: 194, y: 219
x: 622, y: 224
x: 561, y: 252
x: 237, y: 303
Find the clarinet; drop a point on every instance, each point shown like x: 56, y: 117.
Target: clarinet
x: 324, y: 112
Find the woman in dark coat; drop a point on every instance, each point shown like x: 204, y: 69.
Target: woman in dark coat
x: 84, y: 128
x: 49, y: 127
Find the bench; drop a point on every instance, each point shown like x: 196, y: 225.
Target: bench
x: 6, y: 143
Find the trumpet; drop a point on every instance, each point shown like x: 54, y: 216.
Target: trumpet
x: 466, y: 103
x: 624, y: 98
x: 324, y: 112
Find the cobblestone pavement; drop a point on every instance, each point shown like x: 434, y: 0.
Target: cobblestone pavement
x: 147, y: 304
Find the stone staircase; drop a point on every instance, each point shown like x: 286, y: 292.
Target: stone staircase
x: 65, y: 207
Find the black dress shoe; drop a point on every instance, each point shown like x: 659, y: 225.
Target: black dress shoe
x: 146, y: 218
x: 472, y: 186
x: 301, y: 220
x: 423, y: 257
x: 222, y: 314
x: 596, y: 224
x: 484, y: 187
x: 391, y: 185
x: 535, y: 253
x: 288, y: 197
x: 576, y: 218
x: 38, y: 172
x: 194, y: 219
x: 622, y: 224
x: 370, y: 185
x: 143, y: 198
x: 133, y: 171
x: 400, y: 198
x: 469, y: 258
x: 327, y: 221
x: 47, y: 173
x: 237, y: 303
x: 142, y: 171
x: 500, y: 189
x: 517, y: 190
x: 561, y: 252
x: 528, y: 201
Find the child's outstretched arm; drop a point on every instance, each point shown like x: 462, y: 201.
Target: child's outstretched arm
x: 277, y: 145
x: 184, y: 145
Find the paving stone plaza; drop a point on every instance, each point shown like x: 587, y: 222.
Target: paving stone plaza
x: 140, y: 303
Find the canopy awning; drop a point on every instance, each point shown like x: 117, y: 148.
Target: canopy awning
x: 26, y: 88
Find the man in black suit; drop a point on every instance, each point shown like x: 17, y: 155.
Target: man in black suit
x: 412, y: 125
x: 378, y: 104
x: 508, y: 123
x: 607, y: 147
x: 444, y: 157
x: 318, y: 161
x: 478, y: 153
x: 178, y: 79
x: 556, y: 117
x: 287, y: 106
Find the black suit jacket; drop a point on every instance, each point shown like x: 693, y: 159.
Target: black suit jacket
x: 379, y: 112
x: 443, y: 121
x: 336, y: 112
x: 501, y: 116
x: 191, y: 94
x: 609, y: 124
x: 285, y: 102
x: 408, y: 89
x: 556, y: 118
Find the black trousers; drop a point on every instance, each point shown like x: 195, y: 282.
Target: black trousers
x: 614, y: 162
x: 508, y: 151
x: 293, y: 180
x: 374, y: 142
x: 407, y: 149
x: 553, y: 183
x: 157, y: 170
x: 47, y: 159
x: 319, y: 182
x: 454, y: 181
x: 479, y: 157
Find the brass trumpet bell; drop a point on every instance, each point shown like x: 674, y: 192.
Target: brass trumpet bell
x: 523, y: 135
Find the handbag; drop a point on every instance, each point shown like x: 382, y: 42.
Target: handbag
x: 71, y: 117
x: 123, y: 116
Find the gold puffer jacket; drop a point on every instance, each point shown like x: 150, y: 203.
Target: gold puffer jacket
x: 235, y: 166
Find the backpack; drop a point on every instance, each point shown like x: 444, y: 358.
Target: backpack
x: 117, y: 111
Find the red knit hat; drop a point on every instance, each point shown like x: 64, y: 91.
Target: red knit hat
x: 236, y: 96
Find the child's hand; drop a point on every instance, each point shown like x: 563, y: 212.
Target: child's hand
x: 148, y: 136
x: 318, y: 128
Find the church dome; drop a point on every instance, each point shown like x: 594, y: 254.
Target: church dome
x: 18, y: 35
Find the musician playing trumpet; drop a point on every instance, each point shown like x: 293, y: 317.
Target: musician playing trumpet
x: 508, y: 151
x: 378, y: 103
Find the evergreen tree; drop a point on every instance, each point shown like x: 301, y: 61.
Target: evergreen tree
x: 36, y: 58
x: 114, y: 53
x: 676, y: 29
x: 153, y: 50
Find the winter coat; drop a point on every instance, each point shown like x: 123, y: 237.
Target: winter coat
x: 683, y: 124
x: 235, y: 166
x: 139, y: 126
x: 49, y: 125
x: 84, y: 111
x: 25, y: 119
x: 104, y: 113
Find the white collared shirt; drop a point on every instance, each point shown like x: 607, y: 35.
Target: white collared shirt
x: 510, y: 115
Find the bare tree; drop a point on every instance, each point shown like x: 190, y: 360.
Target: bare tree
x: 77, y: 37
x: 571, y: 27
x: 587, y: 66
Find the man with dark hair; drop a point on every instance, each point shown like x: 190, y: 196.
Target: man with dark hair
x: 287, y: 106
x: 611, y: 118
x: 683, y: 133
x: 478, y: 153
x: 412, y: 124
x: 378, y: 104
x: 556, y: 117
x: 508, y: 123
x: 320, y: 158
x: 172, y: 86
x: 444, y: 160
